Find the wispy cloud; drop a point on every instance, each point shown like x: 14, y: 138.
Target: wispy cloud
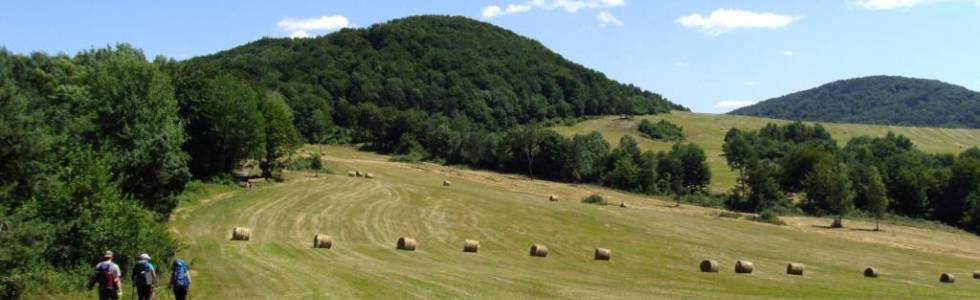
x: 724, y: 20
x: 571, y: 6
x: 750, y: 83
x: 301, y: 28
x: 786, y: 52
x: 606, y: 19
x: 733, y: 104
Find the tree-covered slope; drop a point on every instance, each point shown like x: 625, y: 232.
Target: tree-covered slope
x: 888, y: 100
x: 451, y: 66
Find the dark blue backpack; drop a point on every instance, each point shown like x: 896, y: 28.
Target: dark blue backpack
x: 180, y: 274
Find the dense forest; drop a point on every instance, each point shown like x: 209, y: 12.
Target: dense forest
x: 888, y: 100
x: 448, y: 66
x: 873, y: 175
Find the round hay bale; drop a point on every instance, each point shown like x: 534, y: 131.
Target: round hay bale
x: 553, y: 198
x: 794, y: 269
x: 471, y: 246
x: 406, y: 243
x: 603, y: 254
x: 947, y: 278
x: 539, y: 250
x: 351, y: 174
x: 744, y: 267
x: 871, y: 272
x: 976, y: 274
x: 241, y: 234
x: 447, y: 183
x: 322, y: 241
x: 623, y: 205
x: 358, y: 173
x: 709, y: 266
x: 368, y: 175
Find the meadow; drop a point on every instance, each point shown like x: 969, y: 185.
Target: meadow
x: 656, y: 247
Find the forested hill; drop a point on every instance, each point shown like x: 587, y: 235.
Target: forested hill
x: 452, y: 66
x: 889, y: 100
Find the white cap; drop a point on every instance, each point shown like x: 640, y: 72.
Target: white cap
x: 145, y: 256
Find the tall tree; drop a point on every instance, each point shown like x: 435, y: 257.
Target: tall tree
x: 877, y: 197
x: 224, y: 123
x: 696, y: 175
x: 136, y: 120
x: 281, y: 137
x: 827, y: 186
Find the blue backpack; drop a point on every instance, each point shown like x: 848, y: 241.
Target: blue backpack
x: 180, y: 274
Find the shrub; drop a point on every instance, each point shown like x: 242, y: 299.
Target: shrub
x: 663, y: 130
x: 769, y: 216
x: 594, y: 199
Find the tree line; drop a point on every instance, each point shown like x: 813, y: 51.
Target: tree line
x: 97, y: 148
x: 875, y: 175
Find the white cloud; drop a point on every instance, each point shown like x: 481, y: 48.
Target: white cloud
x: 301, y: 28
x: 733, y: 104
x: 494, y: 11
x: 723, y: 20
x: 893, y: 4
x: 571, y: 6
x: 299, y: 34
x: 786, y: 52
x: 606, y: 18
x: 681, y: 64
x: 750, y: 83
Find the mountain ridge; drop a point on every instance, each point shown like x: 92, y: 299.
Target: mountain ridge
x: 882, y: 100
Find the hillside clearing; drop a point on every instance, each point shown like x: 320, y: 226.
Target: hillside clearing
x: 708, y: 131
x: 657, y: 247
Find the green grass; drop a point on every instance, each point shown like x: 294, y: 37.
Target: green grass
x: 656, y: 247
x: 708, y: 131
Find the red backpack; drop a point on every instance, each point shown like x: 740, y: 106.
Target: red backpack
x: 106, y: 279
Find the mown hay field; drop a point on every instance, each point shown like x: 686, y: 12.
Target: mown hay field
x: 657, y: 247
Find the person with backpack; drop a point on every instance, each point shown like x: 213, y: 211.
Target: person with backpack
x: 144, y: 276
x: 108, y: 277
x: 180, y: 279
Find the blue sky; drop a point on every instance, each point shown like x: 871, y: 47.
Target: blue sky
x: 708, y: 55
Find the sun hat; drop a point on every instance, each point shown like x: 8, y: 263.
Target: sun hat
x: 145, y: 256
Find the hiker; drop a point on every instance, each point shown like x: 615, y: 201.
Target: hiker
x: 109, y: 278
x: 180, y: 279
x: 144, y: 276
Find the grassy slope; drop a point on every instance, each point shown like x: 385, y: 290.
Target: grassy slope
x: 656, y: 247
x: 708, y: 130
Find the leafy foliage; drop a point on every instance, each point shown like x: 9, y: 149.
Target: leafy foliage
x: 889, y: 100
x: 594, y: 199
x: 447, y: 66
x: 662, y: 130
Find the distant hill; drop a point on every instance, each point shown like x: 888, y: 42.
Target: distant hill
x: 447, y: 65
x: 888, y: 100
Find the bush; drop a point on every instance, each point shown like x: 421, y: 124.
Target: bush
x: 595, y: 199
x: 311, y: 163
x: 769, y: 216
x: 662, y: 131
